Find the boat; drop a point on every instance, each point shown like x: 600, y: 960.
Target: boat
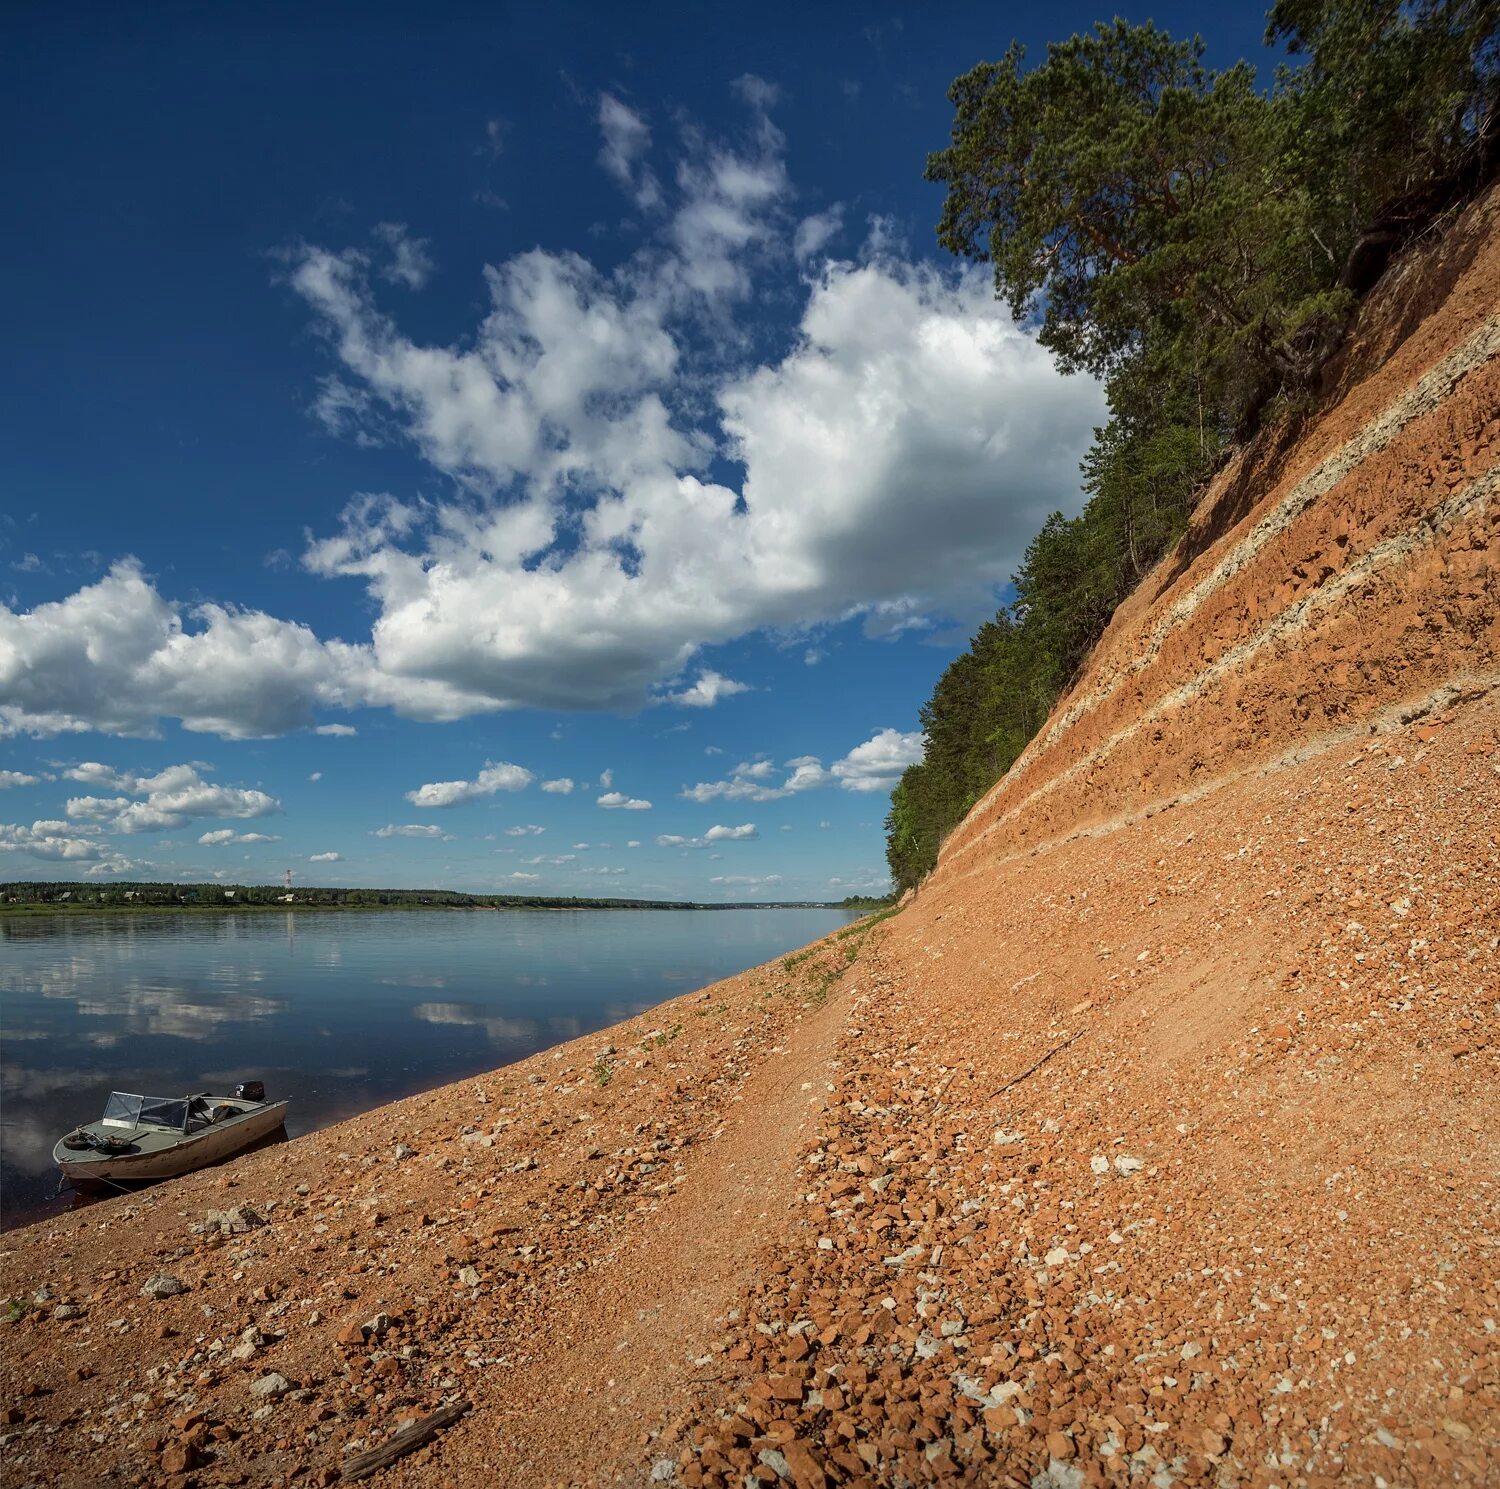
x: 141, y: 1138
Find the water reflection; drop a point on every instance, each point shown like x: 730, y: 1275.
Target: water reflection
x: 335, y: 1011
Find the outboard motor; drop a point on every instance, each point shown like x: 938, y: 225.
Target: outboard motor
x: 251, y: 1091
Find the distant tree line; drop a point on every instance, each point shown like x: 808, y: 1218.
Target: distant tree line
x: 128, y: 895
x: 1199, y: 243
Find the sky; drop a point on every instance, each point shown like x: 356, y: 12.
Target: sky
x: 507, y: 448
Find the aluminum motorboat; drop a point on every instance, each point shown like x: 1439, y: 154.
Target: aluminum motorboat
x: 159, y: 1137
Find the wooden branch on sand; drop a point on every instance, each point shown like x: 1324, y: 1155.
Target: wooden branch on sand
x: 424, y: 1429
x: 1056, y: 1049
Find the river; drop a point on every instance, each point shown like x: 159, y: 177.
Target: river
x: 340, y: 1011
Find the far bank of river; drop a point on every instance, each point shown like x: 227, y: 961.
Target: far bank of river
x: 340, y: 1014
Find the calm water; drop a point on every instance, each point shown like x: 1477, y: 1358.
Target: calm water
x: 339, y: 1011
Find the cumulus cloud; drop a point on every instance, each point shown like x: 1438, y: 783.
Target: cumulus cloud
x: 524, y: 830
x: 62, y: 841
x: 316, y: 776
x: 16, y: 778
x: 897, y: 453
x: 562, y: 786
x: 617, y: 801
x: 325, y: 858
x: 518, y: 875
x: 412, y: 830
x: 117, y: 657
x: 224, y: 836
x: 172, y: 798
x: 496, y: 776
x: 896, y: 462
x: 337, y: 731
x: 707, y: 690
x: 875, y: 765
x: 714, y: 834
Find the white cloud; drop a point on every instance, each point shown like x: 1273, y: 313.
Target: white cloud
x: 709, y: 688
x: 518, y: 875
x: 713, y: 835
x: 877, y: 764
x: 562, y: 786
x: 524, y: 830
x: 627, y: 138
x: 633, y: 843
x: 316, y: 776
x: 756, y: 91
x: 618, y: 801
x: 222, y: 836
x: 754, y: 881
x: 94, y: 773
x: 53, y: 840
x: 496, y: 776
x: 407, y: 260
x: 116, y: 657
x: 325, y: 858
x: 897, y: 455
x: 815, y: 233
x: 16, y: 778
x: 412, y: 830
x: 337, y: 731
x: 172, y: 798
x: 606, y: 778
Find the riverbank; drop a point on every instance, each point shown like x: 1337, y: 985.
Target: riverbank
x: 1113, y: 1193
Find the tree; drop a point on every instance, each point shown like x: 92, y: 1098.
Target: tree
x: 1394, y: 116
x: 1140, y: 194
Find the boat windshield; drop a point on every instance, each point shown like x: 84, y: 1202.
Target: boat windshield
x: 124, y: 1110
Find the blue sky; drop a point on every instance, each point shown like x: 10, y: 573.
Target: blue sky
x: 407, y: 408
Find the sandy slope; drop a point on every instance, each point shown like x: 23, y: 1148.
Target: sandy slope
x: 1155, y: 1141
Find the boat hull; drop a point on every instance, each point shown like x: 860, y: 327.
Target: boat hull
x: 196, y: 1150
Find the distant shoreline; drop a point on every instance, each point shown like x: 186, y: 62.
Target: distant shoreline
x: 30, y: 899
x: 303, y: 906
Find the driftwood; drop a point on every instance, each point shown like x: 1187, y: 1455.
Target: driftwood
x: 1032, y: 1069
x: 424, y: 1429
